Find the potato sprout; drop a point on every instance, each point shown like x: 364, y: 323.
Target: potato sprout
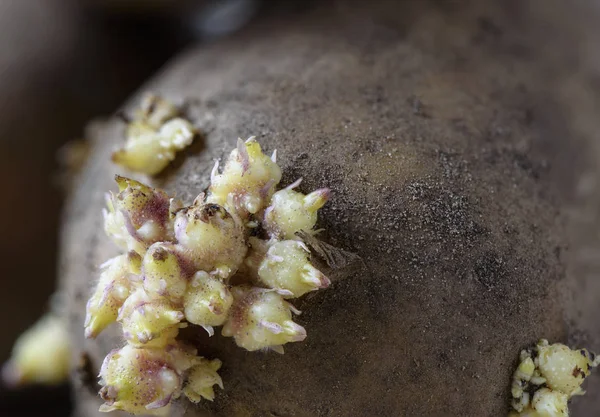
x: 177, y: 265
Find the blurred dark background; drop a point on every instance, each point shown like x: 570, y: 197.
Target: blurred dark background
x: 62, y: 64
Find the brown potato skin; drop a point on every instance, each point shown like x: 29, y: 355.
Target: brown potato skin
x: 454, y: 157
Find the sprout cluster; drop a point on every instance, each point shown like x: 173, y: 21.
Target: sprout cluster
x: 547, y: 377
x: 153, y: 136
x: 177, y: 268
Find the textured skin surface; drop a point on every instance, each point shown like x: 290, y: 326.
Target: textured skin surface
x: 461, y: 171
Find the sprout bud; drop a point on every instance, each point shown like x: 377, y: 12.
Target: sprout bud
x: 112, y: 289
x: 248, y: 180
x: 261, y: 319
x: 154, y: 136
x: 291, y: 211
x: 148, y: 319
x: 162, y: 273
x: 138, y: 216
x: 523, y: 374
x: 286, y: 268
x: 150, y: 151
x: 207, y: 301
x: 201, y: 379
x: 210, y: 238
x: 564, y: 369
x: 139, y: 381
x: 547, y: 402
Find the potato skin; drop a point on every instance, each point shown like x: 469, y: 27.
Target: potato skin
x: 438, y: 131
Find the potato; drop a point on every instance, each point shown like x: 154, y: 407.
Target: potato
x: 447, y: 139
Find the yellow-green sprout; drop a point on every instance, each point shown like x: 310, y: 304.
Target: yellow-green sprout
x: 154, y: 137
x: 162, y: 273
x: 262, y: 319
x: 137, y: 216
x: 554, y: 374
x: 140, y: 381
x: 286, y: 268
x: 178, y: 269
x: 146, y: 380
x: 291, y: 211
x: 248, y: 179
x: 563, y: 369
x: 40, y: 355
x: 551, y: 403
x: 211, y: 238
x: 201, y: 380
x: 151, y: 151
x: 522, y: 376
x: 546, y: 403
x: 112, y: 290
x: 207, y: 301
x: 149, y: 320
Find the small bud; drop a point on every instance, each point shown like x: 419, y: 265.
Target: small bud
x: 550, y: 403
x: 207, y: 301
x: 563, y: 368
x: 153, y: 137
x: 286, y: 267
x: 523, y: 374
x: 210, y: 238
x: 40, y: 355
x: 291, y: 212
x: 261, y: 319
x: 139, y: 381
x: 147, y: 320
x: 138, y: 216
x: 201, y: 379
x: 162, y: 273
x: 176, y: 135
x: 248, y: 180
x: 317, y: 199
x: 148, y: 151
x: 111, y: 291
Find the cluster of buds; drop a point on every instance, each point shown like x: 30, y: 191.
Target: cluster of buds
x: 547, y: 377
x: 177, y: 267
x: 153, y: 136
